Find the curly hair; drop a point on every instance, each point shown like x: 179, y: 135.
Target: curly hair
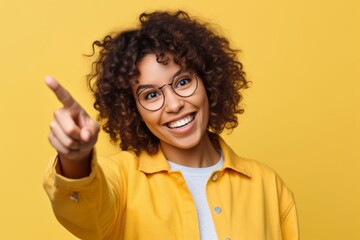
x: 193, y: 45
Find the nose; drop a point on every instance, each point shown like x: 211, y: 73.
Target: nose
x: 173, y: 102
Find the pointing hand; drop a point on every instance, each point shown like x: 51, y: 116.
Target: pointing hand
x: 73, y: 133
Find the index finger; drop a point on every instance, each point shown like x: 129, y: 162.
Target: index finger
x: 61, y: 93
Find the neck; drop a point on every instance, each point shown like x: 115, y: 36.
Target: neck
x: 203, y: 154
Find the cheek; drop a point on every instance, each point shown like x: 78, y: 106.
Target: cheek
x: 203, y: 99
x: 147, y: 117
x: 206, y: 110
x: 204, y: 103
x: 150, y: 119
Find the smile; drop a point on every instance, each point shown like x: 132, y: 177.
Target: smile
x: 182, y: 122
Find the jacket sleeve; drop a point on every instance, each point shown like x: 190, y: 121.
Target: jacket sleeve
x: 288, y: 212
x: 89, y: 207
x: 290, y: 225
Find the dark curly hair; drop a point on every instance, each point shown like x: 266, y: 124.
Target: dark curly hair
x: 193, y: 45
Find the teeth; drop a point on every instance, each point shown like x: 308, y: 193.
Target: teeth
x: 181, y: 122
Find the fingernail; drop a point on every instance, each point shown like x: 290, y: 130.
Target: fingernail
x: 47, y: 79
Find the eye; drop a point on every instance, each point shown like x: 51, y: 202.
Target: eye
x: 149, y: 94
x: 183, y: 81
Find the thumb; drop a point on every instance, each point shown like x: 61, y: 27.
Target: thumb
x: 89, y: 132
x: 85, y: 134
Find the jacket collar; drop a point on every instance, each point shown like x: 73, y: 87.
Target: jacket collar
x: 157, y: 163
x: 232, y: 160
x: 153, y: 163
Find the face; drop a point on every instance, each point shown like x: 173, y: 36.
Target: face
x: 180, y: 122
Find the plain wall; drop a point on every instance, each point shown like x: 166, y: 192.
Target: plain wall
x: 302, y: 112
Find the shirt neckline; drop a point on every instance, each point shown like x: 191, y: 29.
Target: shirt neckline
x: 198, y: 171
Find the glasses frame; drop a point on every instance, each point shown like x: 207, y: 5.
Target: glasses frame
x: 171, y: 85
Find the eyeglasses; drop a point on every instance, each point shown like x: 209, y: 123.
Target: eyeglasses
x: 152, y: 98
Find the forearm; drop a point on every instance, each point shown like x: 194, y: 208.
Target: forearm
x: 74, y: 169
x: 87, y: 207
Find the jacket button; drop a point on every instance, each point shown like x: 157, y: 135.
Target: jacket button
x: 217, y: 210
x: 214, y: 177
x: 74, y: 197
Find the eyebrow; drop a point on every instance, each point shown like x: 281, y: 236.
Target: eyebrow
x: 140, y: 87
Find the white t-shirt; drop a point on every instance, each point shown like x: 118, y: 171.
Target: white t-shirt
x: 196, y: 179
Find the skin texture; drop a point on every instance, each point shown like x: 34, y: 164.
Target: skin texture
x: 188, y: 145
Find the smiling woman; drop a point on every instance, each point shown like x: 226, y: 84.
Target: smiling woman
x: 166, y: 90
x: 182, y: 121
x: 193, y: 46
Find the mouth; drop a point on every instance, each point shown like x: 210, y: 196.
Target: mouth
x: 181, y: 122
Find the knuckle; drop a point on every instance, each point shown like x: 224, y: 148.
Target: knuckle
x: 57, y: 113
x: 50, y: 138
x: 96, y: 126
x: 64, y: 151
x: 68, y: 143
x: 71, y: 144
x: 52, y: 124
x: 64, y: 96
x: 70, y: 129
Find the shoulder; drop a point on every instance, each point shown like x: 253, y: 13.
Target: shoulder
x: 270, y: 181
x: 249, y: 167
x: 258, y: 173
x: 258, y: 169
x: 123, y: 159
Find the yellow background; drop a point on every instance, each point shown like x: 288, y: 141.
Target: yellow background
x: 302, y: 112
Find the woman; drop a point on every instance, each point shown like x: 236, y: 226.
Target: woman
x: 165, y: 90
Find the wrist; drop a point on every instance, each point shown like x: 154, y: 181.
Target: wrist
x: 75, y: 168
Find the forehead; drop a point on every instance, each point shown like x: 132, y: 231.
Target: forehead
x: 153, y: 72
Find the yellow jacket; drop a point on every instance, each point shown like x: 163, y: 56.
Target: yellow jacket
x: 130, y: 197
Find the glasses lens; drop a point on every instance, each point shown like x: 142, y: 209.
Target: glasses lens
x: 185, y: 84
x: 151, y: 98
